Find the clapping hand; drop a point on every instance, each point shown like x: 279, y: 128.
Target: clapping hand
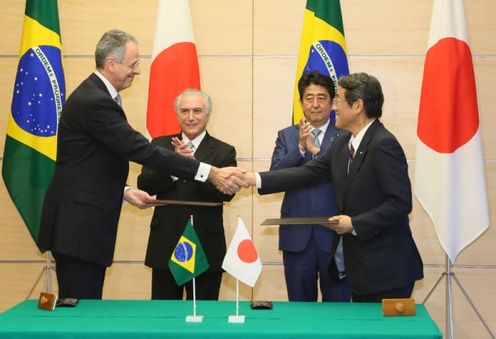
x: 182, y: 148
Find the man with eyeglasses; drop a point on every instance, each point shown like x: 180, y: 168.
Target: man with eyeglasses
x: 94, y: 146
x: 369, y: 172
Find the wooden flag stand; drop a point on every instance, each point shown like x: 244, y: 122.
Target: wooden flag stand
x: 398, y: 307
x: 47, y: 300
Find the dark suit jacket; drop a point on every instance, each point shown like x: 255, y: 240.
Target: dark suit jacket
x: 168, y: 222
x: 377, y: 195
x: 316, y: 200
x: 95, y: 142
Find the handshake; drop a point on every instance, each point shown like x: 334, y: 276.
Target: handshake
x: 230, y: 180
x: 227, y: 180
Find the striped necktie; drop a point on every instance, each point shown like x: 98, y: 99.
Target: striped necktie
x: 316, y: 132
x: 118, y: 100
x: 351, y: 157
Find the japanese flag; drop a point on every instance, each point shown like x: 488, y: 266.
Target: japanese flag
x: 242, y: 260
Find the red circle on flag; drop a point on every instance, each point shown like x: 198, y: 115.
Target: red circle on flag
x: 247, y: 252
x: 448, y: 115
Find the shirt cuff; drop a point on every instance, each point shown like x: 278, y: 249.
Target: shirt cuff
x: 203, y: 172
x: 258, y: 180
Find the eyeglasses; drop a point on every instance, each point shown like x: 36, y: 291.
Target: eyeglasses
x: 134, y: 65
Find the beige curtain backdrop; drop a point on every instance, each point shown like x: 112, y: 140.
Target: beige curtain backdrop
x: 248, y: 53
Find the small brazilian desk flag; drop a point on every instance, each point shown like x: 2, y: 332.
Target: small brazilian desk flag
x: 39, y: 94
x: 188, y: 259
x: 322, y: 47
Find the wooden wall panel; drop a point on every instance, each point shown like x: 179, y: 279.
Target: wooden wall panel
x: 248, y: 53
x: 228, y: 80
x: 222, y: 27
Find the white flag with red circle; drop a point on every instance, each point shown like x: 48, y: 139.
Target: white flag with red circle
x: 174, y: 66
x: 449, y: 166
x: 242, y: 260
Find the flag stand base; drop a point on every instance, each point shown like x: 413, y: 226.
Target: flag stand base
x: 237, y: 319
x: 194, y: 318
x: 47, y: 272
x: 449, y: 302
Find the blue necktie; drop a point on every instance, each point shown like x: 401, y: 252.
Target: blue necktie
x: 316, y: 132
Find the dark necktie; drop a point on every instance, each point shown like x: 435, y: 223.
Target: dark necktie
x: 351, y: 157
x: 118, y: 100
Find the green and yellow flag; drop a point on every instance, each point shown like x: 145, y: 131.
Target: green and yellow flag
x: 188, y: 259
x: 322, y: 48
x: 39, y: 94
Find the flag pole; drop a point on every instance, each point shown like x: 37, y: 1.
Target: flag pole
x: 449, y: 299
x: 46, y: 271
x: 194, y: 297
x: 237, y: 297
x: 237, y: 319
x: 194, y: 318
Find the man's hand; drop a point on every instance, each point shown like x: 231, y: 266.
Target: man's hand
x: 228, y: 180
x: 182, y: 148
x: 305, y: 134
x: 341, y: 224
x: 137, y: 198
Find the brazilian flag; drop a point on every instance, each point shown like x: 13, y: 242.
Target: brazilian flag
x: 322, y: 47
x: 39, y: 94
x: 188, y: 259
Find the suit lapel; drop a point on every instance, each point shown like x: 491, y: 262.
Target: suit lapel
x: 329, y: 137
x: 362, y: 150
x: 205, y: 149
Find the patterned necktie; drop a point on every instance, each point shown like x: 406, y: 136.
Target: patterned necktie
x: 351, y: 157
x: 118, y: 100
x: 316, y: 132
x: 191, y: 146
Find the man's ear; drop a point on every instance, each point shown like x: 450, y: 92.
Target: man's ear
x: 110, y: 63
x: 358, y: 105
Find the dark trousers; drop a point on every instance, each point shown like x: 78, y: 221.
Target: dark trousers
x: 400, y: 292
x: 165, y: 287
x: 78, y: 278
x: 306, y: 270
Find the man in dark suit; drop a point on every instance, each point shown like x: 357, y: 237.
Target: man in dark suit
x: 95, y: 143
x: 193, y: 109
x: 307, y: 248
x: 369, y: 173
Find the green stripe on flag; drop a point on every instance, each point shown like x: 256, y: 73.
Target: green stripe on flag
x: 329, y: 11
x: 38, y: 97
x: 42, y: 11
x: 27, y: 174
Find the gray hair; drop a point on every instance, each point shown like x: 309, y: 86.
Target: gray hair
x: 194, y: 92
x: 112, y: 43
